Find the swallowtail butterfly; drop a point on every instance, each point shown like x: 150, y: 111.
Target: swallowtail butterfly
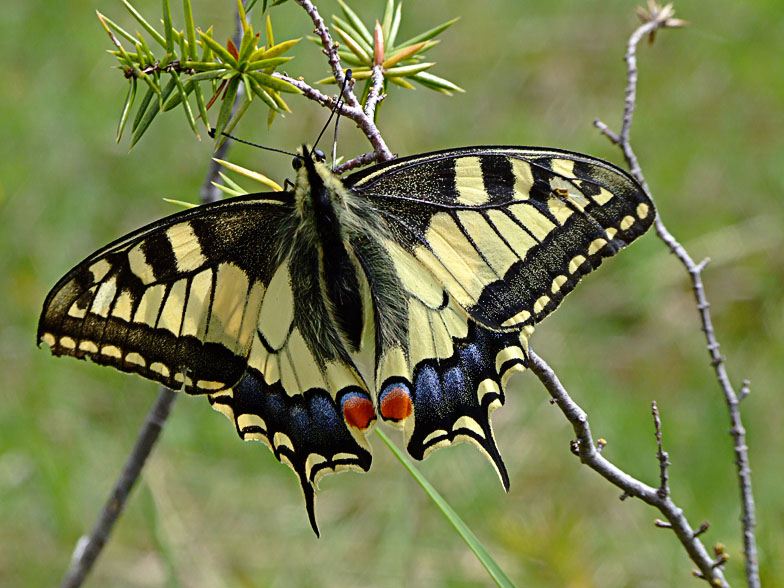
x: 438, y: 264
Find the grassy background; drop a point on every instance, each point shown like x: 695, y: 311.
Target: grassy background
x: 215, y: 512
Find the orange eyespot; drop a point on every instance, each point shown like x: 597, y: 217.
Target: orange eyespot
x: 395, y: 403
x: 358, y: 411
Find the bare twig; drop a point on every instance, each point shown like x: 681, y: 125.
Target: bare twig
x: 376, y: 73
x: 330, y: 50
x: 663, y: 457
x: 351, y: 108
x: 375, y: 95
x: 90, y: 546
x: 658, y: 18
x: 631, y: 487
x: 358, y: 161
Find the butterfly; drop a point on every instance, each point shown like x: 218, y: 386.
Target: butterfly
x: 434, y: 267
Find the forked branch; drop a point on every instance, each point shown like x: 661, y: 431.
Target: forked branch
x: 659, y: 498
x: 654, y: 19
x: 349, y: 106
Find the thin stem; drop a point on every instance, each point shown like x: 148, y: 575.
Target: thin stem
x: 358, y: 161
x: 89, y: 547
x: 375, y: 95
x: 632, y: 487
x: 330, y: 50
x: 663, y: 19
x: 662, y: 456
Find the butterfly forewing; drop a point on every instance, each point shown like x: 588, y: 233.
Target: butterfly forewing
x: 508, y: 231
x: 176, y: 301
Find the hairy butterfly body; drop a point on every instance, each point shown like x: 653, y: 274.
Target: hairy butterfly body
x: 439, y: 265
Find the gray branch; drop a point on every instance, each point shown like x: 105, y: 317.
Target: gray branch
x: 589, y: 455
x: 664, y: 458
x: 375, y: 95
x: 352, y: 108
x: 89, y: 547
x: 658, y: 19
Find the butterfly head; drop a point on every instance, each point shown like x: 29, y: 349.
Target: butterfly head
x: 319, y: 193
x: 305, y: 153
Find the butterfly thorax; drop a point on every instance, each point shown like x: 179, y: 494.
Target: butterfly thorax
x: 338, y: 239
x: 322, y: 262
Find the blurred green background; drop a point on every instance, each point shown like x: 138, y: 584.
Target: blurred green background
x: 212, y: 511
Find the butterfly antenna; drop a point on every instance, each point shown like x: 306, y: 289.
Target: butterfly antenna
x: 336, y: 108
x: 335, y: 141
x: 211, y: 132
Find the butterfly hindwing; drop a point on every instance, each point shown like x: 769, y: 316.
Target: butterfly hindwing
x: 312, y: 412
x: 441, y: 381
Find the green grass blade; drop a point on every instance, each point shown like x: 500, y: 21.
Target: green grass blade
x: 230, y: 93
x: 183, y: 90
x: 190, y: 29
x: 484, y: 557
x: 108, y: 22
x: 355, y: 44
x: 394, y: 27
x: 386, y: 22
x: 275, y: 83
x: 150, y: 114
x: 218, y: 49
x: 126, y: 108
x: 435, y: 83
x: 167, y: 27
x: 142, y: 108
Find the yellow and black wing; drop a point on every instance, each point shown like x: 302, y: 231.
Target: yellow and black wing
x: 176, y: 301
x: 442, y: 263
x: 311, y: 407
x: 216, y: 300
x: 486, y: 242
